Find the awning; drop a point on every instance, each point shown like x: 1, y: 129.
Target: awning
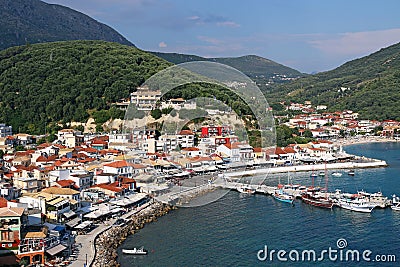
x: 83, y: 225
x: 116, y: 210
x: 57, y: 249
x: 74, y: 222
x: 69, y: 214
x: 211, y: 168
x: 94, y: 214
x: 35, y: 235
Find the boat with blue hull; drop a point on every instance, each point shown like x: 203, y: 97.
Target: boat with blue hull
x: 280, y: 195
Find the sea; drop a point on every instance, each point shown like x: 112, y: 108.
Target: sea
x: 257, y: 230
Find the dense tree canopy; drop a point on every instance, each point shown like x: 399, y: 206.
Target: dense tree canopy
x: 51, y: 82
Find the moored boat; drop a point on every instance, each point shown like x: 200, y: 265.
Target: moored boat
x: 356, y: 203
x: 337, y: 174
x: 317, y: 199
x: 351, y: 172
x: 280, y: 195
x: 377, y: 199
x: 246, y: 190
x: 135, y: 251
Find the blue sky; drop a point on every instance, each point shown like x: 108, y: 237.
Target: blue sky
x: 307, y: 35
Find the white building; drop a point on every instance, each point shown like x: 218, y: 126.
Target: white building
x: 5, y: 130
x: 144, y: 98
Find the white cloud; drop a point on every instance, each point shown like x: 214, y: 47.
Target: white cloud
x: 230, y: 24
x: 162, y: 45
x: 355, y: 43
x: 193, y: 18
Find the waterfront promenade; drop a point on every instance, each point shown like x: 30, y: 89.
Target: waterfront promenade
x: 86, y: 243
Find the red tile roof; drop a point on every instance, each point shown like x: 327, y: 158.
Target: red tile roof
x: 190, y: 149
x: 118, y: 164
x: 186, y: 132
x: 65, y: 183
x: 109, y: 187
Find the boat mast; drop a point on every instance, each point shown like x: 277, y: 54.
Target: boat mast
x: 326, y: 178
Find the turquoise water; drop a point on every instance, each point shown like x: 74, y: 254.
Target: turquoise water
x: 231, y: 231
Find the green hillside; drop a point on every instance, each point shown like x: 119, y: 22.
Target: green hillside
x: 33, y: 21
x: 369, y: 85
x: 64, y: 81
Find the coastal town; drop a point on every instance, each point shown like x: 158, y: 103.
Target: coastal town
x: 58, y: 198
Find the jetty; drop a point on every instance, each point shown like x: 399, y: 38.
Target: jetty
x: 358, y: 164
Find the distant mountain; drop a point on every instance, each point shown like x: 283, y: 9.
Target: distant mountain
x: 33, y: 21
x: 251, y: 65
x: 369, y: 85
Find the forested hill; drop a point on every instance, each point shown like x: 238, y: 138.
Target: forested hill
x: 251, y: 65
x: 33, y: 21
x: 65, y: 81
x: 369, y: 85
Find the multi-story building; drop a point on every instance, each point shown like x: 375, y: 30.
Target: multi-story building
x: 5, y: 130
x: 211, y: 130
x: 144, y: 98
x: 70, y: 137
x: 11, y: 222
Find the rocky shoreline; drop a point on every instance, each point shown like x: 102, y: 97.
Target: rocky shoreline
x: 106, y: 243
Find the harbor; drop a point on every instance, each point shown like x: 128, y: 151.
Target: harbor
x: 260, y: 219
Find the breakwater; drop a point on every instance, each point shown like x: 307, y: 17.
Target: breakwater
x: 106, y: 243
x: 365, y: 163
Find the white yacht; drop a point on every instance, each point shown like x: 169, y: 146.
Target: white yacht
x: 356, y: 203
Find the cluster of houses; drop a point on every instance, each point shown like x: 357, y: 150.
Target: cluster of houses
x: 81, y: 178
x: 53, y: 182
x: 328, y: 125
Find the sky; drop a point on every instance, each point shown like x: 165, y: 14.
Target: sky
x: 307, y: 35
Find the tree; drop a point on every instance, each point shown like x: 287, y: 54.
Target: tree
x: 156, y: 113
x: 308, y: 134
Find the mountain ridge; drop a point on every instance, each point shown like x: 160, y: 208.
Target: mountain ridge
x: 369, y: 85
x: 252, y: 65
x: 34, y: 21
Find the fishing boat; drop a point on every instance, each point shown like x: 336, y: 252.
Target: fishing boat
x: 395, y: 203
x: 316, y: 198
x: 280, y: 195
x: 246, y: 190
x: 377, y: 199
x: 357, y: 203
x: 313, y: 196
x: 135, y: 251
x: 337, y: 174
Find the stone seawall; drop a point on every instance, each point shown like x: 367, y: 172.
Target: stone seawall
x: 311, y: 167
x: 106, y: 243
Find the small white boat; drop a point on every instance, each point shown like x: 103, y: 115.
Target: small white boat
x: 351, y: 172
x: 246, y: 190
x: 135, y: 251
x: 337, y: 174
